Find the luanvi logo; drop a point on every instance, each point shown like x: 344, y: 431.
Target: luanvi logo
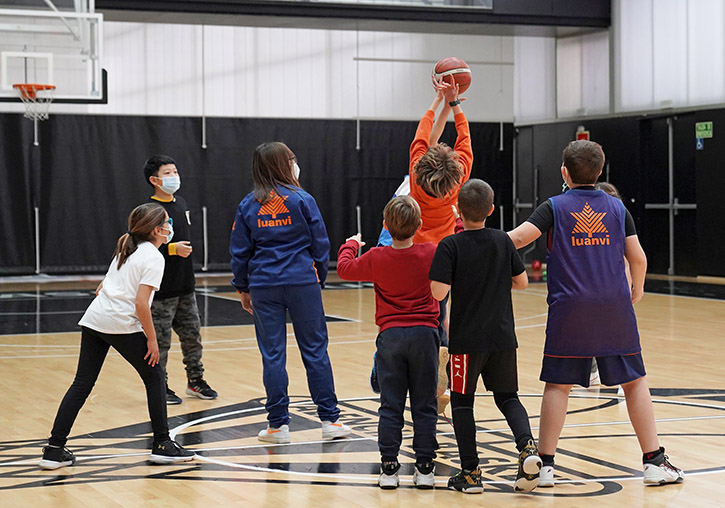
x: 589, y: 222
x: 274, y: 207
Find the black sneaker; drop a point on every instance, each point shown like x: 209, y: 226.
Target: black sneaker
x: 527, y: 477
x: 374, y: 384
x: 55, y: 457
x: 199, y: 388
x: 171, y: 398
x: 468, y: 482
x: 169, y: 452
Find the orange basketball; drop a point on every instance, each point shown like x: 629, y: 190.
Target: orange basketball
x: 451, y: 68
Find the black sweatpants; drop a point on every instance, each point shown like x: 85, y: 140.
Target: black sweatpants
x: 94, y: 348
x: 407, y: 360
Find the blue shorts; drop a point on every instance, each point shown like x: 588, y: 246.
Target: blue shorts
x: 613, y: 370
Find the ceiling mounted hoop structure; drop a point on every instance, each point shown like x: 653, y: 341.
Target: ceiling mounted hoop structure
x: 37, y: 99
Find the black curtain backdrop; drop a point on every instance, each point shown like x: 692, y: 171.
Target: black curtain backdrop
x: 88, y: 177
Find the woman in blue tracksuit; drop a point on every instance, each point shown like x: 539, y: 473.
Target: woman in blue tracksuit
x: 280, y: 252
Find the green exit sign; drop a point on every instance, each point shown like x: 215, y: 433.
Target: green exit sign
x: 703, y: 130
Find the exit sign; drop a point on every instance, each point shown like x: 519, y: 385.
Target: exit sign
x: 703, y: 130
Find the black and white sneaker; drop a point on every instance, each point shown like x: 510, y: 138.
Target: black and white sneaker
x: 170, y: 452
x: 171, y: 398
x: 200, y: 388
x: 55, y: 457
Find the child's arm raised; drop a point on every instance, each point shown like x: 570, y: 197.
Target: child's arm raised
x: 351, y: 267
x: 143, y: 311
x: 637, y: 265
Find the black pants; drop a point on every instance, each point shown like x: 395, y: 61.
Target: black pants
x: 94, y: 348
x: 407, y: 361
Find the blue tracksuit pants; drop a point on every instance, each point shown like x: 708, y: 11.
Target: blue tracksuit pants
x: 304, y: 303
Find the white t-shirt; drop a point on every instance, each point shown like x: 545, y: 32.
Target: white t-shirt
x: 114, y: 309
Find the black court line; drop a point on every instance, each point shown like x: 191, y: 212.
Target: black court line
x: 60, y: 311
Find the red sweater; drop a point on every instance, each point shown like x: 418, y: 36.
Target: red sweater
x: 437, y: 216
x: 402, y: 288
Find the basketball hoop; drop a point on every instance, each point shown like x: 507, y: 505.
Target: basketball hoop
x: 37, y: 99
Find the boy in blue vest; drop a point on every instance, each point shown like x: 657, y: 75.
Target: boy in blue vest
x: 590, y: 306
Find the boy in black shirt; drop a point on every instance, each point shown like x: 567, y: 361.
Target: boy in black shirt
x: 479, y: 266
x: 174, y: 305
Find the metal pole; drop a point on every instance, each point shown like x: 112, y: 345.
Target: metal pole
x: 500, y: 218
x: 37, y: 239
x: 358, y: 214
x: 203, y: 93
x: 514, y: 196
x: 500, y: 137
x: 205, y: 266
x: 35, y: 132
x: 671, y: 176
x: 357, y: 90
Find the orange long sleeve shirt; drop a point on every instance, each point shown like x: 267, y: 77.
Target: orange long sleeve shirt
x: 436, y: 213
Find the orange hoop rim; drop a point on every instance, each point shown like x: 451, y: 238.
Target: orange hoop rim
x: 30, y: 90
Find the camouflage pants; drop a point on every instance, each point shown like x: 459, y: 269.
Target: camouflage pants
x: 181, y: 314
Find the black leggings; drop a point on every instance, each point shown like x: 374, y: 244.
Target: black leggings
x: 94, y: 348
x: 464, y: 424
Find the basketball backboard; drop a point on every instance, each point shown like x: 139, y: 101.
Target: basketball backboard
x: 56, y: 42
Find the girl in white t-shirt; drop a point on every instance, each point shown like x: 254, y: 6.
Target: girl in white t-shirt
x: 120, y: 316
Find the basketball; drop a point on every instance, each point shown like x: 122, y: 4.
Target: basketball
x: 450, y: 68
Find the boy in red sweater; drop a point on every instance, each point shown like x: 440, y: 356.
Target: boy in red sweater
x: 407, y: 344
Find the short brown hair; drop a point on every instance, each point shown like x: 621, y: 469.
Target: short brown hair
x: 475, y: 200
x: 402, y: 217
x: 584, y: 160
x: 438, y: 172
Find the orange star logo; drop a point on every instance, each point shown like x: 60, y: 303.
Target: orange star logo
x: 274, y: 206
x: 588, y: 221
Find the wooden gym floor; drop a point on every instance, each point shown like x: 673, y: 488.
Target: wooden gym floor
x: 598, y: 460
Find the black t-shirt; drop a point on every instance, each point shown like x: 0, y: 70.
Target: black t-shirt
x: 478, y: 265
x: 543, y: 216
x: 179, y: 272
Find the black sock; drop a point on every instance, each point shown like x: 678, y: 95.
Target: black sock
x: 656, y: 457
x: 424, y: 466
x: 390, y: 466
x: 547, y: 460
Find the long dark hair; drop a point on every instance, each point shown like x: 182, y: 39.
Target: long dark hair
x: 271, y: 168
x: 141, y: 224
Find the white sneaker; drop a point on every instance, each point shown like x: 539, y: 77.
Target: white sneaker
x: 334, y: 430
x: 424, y: 480
x: 279, y: 435
x: 389, y: 480
x: 664, y: 473
x: 546, y: 476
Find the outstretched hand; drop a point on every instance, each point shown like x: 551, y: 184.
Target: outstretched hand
x: 357, y: 238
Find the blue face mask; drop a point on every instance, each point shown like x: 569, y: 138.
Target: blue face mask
x: 170, y: 184
x: 169, y: 226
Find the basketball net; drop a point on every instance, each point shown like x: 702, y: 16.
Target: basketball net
x: 37, y: 99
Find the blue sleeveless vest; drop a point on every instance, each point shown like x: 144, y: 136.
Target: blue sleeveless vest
x: 590, y: 308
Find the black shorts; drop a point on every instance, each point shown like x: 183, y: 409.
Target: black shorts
x: 613, y: 370
x: 497, y: 369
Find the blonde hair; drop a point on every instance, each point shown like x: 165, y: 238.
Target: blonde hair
x: 438, y: 172
x: 402, y: 217
x: 141, y: 224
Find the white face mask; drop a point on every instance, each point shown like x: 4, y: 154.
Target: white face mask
x: 296, y: 171
x: 170, y: 228
x: 170, y: 184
